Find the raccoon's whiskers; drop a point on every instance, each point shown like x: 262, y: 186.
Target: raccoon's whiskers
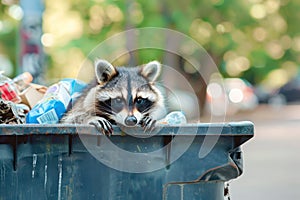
x: 107, y: 111
x: 105, y: 108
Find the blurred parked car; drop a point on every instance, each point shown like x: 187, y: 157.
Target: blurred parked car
x: 290, y: 91
x: 230, y: 96
x: 287, y: 94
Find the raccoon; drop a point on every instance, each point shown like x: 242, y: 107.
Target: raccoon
x: 126, y: 96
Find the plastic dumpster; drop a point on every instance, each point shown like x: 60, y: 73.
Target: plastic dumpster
x: 60, y: 162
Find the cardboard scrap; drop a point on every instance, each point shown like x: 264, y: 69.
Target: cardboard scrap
x: 33, y: 94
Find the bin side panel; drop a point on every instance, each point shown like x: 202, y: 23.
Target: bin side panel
x: 57, y: 166
x: 200, y: 191
x: 7, y: 175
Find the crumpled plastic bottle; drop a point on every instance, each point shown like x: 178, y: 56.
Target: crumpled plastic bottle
x: 175, y: 118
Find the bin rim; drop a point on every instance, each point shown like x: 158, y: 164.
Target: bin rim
x: 245, y: 128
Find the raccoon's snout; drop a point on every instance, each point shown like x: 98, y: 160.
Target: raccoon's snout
x: 130, y: 120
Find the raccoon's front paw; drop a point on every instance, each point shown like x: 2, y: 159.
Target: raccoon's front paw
x: 102, y: 124
x: 148, y: 123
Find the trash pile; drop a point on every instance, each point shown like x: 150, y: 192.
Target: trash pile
x: 22, y: 101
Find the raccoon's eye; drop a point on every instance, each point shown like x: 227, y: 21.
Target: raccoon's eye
x: 117, y: 100
x: 140, y: 100
x: 143, y: 104
x: 117, y: 104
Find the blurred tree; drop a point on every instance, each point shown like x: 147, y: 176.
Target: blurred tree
x: 9, y: 17
x: 252, y: 39
x: 31, y: 54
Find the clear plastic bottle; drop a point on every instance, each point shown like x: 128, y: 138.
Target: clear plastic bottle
x: 22, y: 81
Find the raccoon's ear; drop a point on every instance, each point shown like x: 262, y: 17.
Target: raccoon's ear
x: 151, y: 70
x: 104, y: 71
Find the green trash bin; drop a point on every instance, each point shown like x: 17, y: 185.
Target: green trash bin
x: 75, y: 162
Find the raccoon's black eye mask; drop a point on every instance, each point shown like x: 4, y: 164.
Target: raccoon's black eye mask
x: 117, y: 104
x: 111, y: 106
x: 143, y: 104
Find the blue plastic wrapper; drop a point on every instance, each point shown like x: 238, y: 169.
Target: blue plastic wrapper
x: 55, y: 102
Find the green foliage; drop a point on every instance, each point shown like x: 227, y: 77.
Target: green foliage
x: 8, y: 33
x: 263, y: 34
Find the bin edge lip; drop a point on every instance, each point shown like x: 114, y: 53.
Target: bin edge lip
x: 224, y: 128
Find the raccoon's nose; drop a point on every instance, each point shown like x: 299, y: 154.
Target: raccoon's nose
x: 130, y: 120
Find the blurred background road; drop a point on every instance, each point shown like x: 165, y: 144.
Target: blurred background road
x: 271, y: 158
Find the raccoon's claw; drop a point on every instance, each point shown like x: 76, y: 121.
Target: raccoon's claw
x: 148, y: 123
x: 102, y: 125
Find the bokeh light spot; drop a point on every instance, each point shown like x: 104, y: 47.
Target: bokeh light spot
x: 258, y: 11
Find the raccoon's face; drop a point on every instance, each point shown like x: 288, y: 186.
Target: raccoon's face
x: 127, y: 95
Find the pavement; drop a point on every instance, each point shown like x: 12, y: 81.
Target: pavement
x: 271, y: 158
